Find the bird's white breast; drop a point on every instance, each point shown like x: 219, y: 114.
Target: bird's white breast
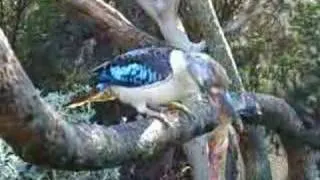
x: 176, y: 87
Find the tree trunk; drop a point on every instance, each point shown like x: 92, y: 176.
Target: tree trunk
x: 122, y: 32
x: 200, y: 18
x: 41, y: 136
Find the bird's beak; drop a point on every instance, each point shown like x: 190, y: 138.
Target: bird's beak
x: 221, y: 98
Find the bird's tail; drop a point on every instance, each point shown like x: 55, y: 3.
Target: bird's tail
x: 94, y: 95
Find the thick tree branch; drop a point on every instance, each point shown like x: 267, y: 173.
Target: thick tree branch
x: 122, y: 32
x: 42, y: 136
x: 297, y: 140
x: 206, y: 25
x: 200, y: 19
x: 282, y: 118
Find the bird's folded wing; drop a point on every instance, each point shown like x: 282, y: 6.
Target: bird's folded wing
x: 137, y: 68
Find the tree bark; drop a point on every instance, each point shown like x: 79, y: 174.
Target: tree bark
x: 301, y: 145
x: 288, y: 124
x: 121, y: 31
x: 200, y: 19
x: 41, y: 136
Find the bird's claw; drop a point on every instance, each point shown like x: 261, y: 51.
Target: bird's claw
x: 162, y: 118
x: 178, y: 106
x: 172, y: 106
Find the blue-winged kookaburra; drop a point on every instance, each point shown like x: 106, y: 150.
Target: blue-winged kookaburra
x: 150, y: 77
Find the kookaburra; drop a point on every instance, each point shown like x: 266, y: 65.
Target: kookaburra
x: 150, y: 77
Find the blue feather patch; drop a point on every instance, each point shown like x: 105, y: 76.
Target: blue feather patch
x: 137, y: 68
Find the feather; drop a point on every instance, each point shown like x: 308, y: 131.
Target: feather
x: 136, y: 68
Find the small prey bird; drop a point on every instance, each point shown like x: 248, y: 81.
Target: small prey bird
x: 150, y: 77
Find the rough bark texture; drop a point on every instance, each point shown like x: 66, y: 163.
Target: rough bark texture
x: 288, y: 125
x: 41, y: 136
x: 122, y: 32
x: 301, y: 144
x: 201, y: 20
x: 253, y: 147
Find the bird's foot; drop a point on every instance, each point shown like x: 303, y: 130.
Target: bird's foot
x: 155, y: 112
x: 180, y: 107
x: 173, y: 106
x: 162, y: 118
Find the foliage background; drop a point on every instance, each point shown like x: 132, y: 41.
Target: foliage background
x: 276, y: 49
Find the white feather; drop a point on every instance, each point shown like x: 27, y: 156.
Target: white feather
x: 176, y: 87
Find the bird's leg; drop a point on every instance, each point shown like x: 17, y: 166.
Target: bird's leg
x: 172, y: 106
x: 151, y: 113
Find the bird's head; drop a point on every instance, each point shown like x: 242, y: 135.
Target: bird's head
x: 207, y: 73
x: 212, y: 79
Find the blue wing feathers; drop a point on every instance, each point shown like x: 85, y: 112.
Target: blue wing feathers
x: 137, y: 68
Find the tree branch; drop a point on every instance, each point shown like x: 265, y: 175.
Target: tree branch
x: 206, y: 25
x: 282, y: 118
x: 41, y: 136
x: 297, y: 140
x: 122, y: 32
x: 200, y: 18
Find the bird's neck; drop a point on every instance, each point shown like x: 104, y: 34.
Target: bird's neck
x: 178, y: 61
